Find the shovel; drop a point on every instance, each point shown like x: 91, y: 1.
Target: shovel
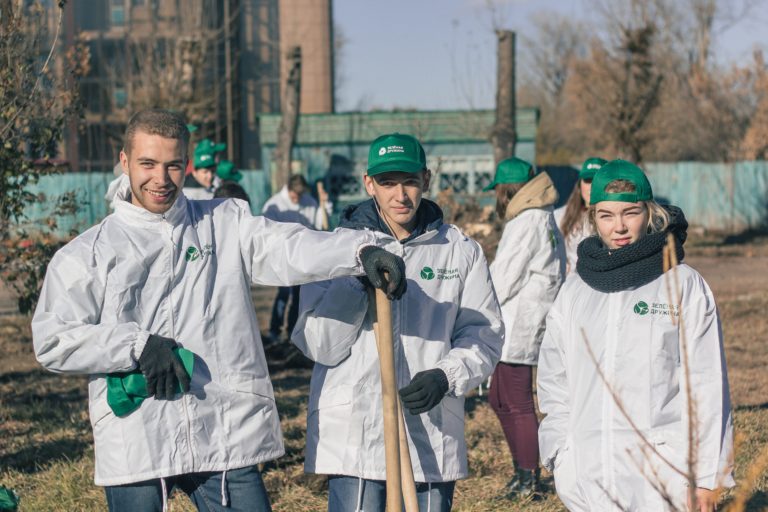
x: 401, y: 487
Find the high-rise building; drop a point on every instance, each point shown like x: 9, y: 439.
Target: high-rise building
x: 218, y: 62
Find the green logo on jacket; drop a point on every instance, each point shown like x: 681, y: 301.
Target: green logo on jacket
x: 641, y: 308
x: 427, y: 273
x: 194, y: 254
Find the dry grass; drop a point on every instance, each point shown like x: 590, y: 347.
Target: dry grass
x: 45, y: 436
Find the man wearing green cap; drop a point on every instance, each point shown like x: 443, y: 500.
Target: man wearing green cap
x: 202, y: 181
x: 447, y: 334
x: 164, y: 273
x: 572, y: 218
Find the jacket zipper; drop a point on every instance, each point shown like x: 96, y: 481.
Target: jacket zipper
x: 184, y: 398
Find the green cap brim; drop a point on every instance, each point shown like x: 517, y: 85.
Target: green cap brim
x: 396, y: 165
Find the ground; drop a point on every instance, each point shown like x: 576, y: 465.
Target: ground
x: 46, y: 445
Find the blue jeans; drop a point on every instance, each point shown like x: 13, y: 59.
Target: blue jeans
x: 278, y: 310
x: 350, y: 494
x: 243, y: 491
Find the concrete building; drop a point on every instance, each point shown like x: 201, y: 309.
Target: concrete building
x: 334, y: 147
x: 217, y: 61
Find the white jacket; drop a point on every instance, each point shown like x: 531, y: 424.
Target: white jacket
x: 573, y: 239
x: 635, y: 336
x: 527, y: 273
x: 185, y: 275
x: 280, y: 208
x: 448, y: 318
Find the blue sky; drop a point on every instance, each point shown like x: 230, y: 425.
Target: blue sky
x: 440, y: 54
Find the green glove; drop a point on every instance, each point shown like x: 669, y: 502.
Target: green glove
x: 127, y: 390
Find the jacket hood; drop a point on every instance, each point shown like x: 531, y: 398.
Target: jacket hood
x: 365, y: 215
x: 540, y: 192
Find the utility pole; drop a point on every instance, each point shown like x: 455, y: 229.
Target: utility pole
x: 503, y: 135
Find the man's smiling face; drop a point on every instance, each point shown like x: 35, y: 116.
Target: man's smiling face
x: 155, y: 166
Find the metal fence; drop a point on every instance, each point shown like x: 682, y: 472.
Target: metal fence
x: 727, y: 197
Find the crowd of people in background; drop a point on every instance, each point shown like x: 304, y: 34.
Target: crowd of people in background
x: 154, y: 304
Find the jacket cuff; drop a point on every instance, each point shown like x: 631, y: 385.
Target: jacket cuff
x: 715, y: 481
x: 137, y: 347
x: 450, y: 371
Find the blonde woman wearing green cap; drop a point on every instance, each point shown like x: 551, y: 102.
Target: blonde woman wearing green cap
x: 527, y: 273
x: 573, y: 218
x: 610, y: 378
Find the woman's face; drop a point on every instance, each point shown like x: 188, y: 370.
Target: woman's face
x: 586, y: 187
x: 620, y: 224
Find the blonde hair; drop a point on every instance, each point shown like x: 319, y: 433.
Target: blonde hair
x: 658, y: 217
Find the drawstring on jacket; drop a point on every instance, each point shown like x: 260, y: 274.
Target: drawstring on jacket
x: 224, y: 496
x: 165, y: 494
x: 359, y: 507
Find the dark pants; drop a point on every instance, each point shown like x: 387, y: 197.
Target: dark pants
x: 242, y: 490
x: 278, y: 310
x: 347, y: 493
x: 511, y: 397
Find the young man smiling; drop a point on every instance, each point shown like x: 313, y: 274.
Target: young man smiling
x: 164, y: 272
x: 447, y: 332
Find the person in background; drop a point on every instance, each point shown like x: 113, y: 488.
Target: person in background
x: 231, y: 189
x: 200, y: 184
x: 612, y: 379
x: 527, y: 273
x: 573, y: 218
x: 293, y: 203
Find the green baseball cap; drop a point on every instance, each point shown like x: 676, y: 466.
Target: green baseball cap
x: 396, y: 152
x: 203, y: 160
x: 620, y: 170
x: 227, y: 172
x: 127, y: 390
x: 511, y: 170
x: 590, y: 167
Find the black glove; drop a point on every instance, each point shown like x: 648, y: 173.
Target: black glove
x: 162, y: 369
x: 375, y: 262
x: 425, y: 391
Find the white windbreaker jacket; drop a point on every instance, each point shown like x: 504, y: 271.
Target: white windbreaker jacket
x: 185, y: 275
x: 280, y: 208
x: 527, y: 273
x: 448, y: 318
x: 636, y: 338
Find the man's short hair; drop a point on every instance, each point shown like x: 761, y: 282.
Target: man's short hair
x: 297, y: 183
x: 156, y: 121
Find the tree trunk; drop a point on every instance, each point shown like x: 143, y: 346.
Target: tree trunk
x: 503, y: 136
x: 286, y: 134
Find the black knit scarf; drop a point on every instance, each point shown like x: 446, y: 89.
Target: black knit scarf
x: 631, y: 266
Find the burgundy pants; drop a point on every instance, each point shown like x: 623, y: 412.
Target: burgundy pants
x: 511, y: 397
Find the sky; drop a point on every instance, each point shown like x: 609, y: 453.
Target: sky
x: 440, y: 54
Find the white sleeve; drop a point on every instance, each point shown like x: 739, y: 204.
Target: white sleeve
x: 289, y: 254
x: 67, y: 332
x: 331, y: 314
x: 510, y: 266
x: 709, y: 389
x: 478, y: 332
x: 552, y: 389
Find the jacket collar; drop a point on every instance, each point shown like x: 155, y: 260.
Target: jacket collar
x: 365, y: 215
x: 132, y: 213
